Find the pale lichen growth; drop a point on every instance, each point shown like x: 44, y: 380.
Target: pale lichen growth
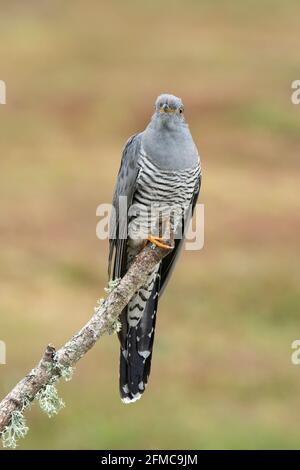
x: 17, y: 429
x: 116, y: 326
x: 66, y: 372
x: 99, y: 305
x: 113, y: 326
x: 112, y: 285
x: 49, y: 400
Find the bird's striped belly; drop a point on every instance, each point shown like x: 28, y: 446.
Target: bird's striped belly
x: 160, y: 196
x: 159, y: 202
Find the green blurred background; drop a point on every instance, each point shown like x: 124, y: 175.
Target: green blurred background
x: 81, y: 78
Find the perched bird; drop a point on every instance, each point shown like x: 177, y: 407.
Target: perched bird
x: 160, y: 168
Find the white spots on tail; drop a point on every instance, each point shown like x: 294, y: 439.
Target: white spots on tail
x: 154, y: 313
x: 128, y: 400
x: 141, y: 385
x: 144, y: 354
x: 150, y: 334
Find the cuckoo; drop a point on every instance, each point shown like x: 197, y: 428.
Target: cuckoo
x: 155, y: 193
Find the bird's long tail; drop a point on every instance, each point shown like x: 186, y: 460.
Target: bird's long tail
x: 136, y: 349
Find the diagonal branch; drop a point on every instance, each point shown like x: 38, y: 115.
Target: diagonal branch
x: 104, y: 321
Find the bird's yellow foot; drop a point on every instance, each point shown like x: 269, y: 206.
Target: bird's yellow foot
x: 158, y: 241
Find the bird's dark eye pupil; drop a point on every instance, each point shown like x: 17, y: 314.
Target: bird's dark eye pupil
x: 181, y: 110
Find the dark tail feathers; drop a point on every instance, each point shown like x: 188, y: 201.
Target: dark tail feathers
x: 135, y: 360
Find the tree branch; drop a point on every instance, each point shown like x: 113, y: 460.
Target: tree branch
x: 104, y: 321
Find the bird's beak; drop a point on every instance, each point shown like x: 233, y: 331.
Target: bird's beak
x: 165, y: 108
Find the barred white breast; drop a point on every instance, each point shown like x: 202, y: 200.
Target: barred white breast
x: 160, y: 192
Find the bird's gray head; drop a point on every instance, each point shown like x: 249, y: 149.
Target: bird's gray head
x: 167, y: 140
x: 168, y: 110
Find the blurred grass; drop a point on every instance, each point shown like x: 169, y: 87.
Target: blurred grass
x: 81, y: 79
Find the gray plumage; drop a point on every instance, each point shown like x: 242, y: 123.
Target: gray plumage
x: 160, y: 167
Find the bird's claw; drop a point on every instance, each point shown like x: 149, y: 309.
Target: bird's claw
x: 158, y: 241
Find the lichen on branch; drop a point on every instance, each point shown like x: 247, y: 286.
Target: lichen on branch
x: 40, y: 382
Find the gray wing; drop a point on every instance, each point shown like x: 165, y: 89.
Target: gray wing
x: 125, y: 186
